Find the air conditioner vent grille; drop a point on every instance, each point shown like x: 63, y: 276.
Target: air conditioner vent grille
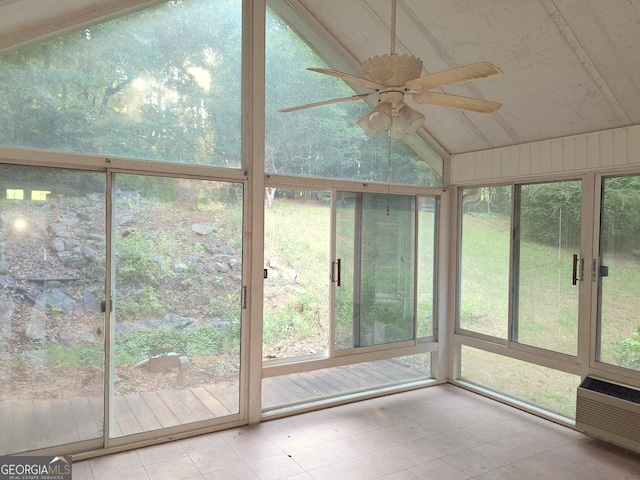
x: 611, y: 389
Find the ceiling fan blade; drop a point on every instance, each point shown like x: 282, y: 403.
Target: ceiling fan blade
x: 325, y: 102
x: 454, y: 101
x: 476, y: 71
x: 349, y: 78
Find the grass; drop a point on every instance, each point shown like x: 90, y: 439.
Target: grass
x: 547, y: 310
x: 296, y: 292
x: 548, y: 302
x: 544, y: 387
x: 296, y: 303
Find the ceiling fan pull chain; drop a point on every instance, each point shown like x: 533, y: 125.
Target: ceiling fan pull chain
x: 393, y: 27
x: 389, y: 174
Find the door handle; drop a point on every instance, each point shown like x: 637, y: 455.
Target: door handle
x: 577, y: 276
x: 336, y: 272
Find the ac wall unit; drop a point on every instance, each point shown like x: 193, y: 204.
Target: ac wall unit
x: 609, y: 411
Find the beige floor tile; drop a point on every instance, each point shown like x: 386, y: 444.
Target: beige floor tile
x: 202, y: 442
x: 115, y: 463
x: 401, y: 475
x: 160, y: 453
x: 250, y: 452
x: 215, y: 459
x: 375, y: 465
x: 470, y: 462
x: 81, y: 470
x: 438, y: 469
x: 241, y: 472
x: 274, y: 468
x: 314, y: 457
x: 410, y: 453
x: 500, y: 453
x: 335, y: 471
x: 181, y: 468
x: 138, y: 473
x: 441, y: 433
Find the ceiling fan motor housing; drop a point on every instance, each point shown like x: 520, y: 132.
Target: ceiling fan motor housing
x: 392, y: 70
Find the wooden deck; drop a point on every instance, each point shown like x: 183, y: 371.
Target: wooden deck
x: 34, y: 424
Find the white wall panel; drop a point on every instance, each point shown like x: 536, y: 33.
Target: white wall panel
x: 591, y: 151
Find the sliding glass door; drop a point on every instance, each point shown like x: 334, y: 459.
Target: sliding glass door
x: 547, y: 265
x: 52, y: 270
x: 296, y: 284
x: 176, y: 315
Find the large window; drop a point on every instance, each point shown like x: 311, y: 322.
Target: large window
x: 326, y: 141
x: 163, y: 84
x: 520, y: 271
x: 540, y: 386
x: 520, y: 264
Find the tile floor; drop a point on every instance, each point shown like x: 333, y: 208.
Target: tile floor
x: 441, y: 432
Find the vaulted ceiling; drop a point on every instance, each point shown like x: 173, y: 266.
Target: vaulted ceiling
x: 570, y: 66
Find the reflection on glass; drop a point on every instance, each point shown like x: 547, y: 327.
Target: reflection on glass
x: 52, y: 253
x: 377, y: 266
x: 177, y: 307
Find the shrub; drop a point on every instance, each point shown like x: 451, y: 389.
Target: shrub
x: 628, y: 351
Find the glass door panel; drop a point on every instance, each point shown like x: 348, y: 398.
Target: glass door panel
x: 619, y: 273
x: 52, y: 270
x: 546, y: 265
x: 177, y: 302
x: 484, y: 260
x: 375, y: 248
x: 426, y: 265
x: 296, y: 288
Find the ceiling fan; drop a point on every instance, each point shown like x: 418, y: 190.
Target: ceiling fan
x: 393, y: 76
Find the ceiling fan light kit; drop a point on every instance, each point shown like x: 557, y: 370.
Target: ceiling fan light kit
x: 381, y: 117
x: 393, y: 76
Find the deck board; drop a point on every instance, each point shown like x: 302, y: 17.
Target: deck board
x: 193, y: 403
x: 124, y: 417
x: 216, y: 408
x: 43, y: 423
x: 23, y: 428
x: 86, y: 423
x: 228, y: 393
x: 177, y: 407
x: 63, y: 421
x: 160, y: 409
x: 145, y: 416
